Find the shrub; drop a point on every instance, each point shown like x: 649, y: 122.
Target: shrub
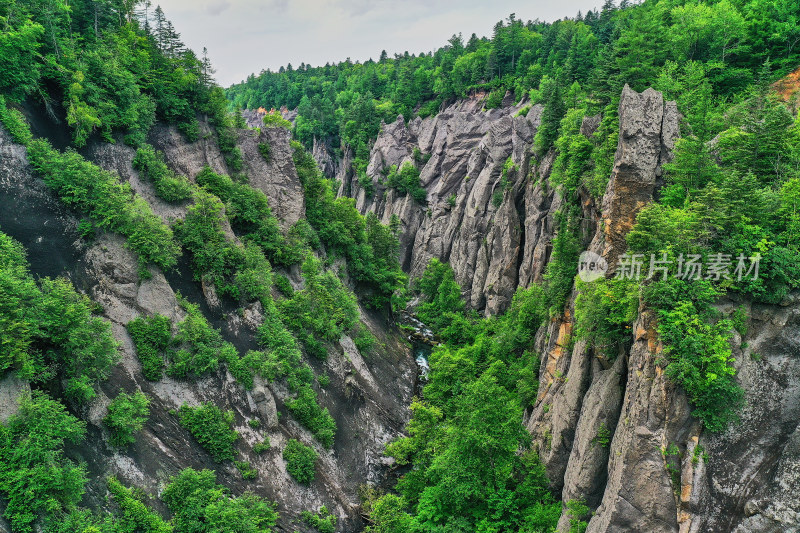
x: 367, y: 184
x: 234, y: 159
x: 263, y: 446
x: 254, y: 423
x: 15, y: 123
x: 36, y: 479
x: 80, y: 343
x: 300, y: 461
x: 214, y: 257
x: 134, y: 515
x: 127, y: 414
x: 323, y: 520
x: 388, y: 514
x: 310, y: 414
x: 497, y: 198
x: 151, y: 337
x: 199, y: 503
x: 57, y: 321
x: 111, y: 205
x: 169, y: 186
x: 212, y: 428
x: 700, y: 360
x: 324, y: 308
x: 406, y: 181
x: 365, y: 341
x: 371, y: 249
x: 266, y: 151
x: 275, y: 120
x: 247, y: 471
x: 495, y: 98
x: 577, y: 510
x: 604, y: 313
x: 283, y: 285
x: 201, y: 347
x: 248, y: 210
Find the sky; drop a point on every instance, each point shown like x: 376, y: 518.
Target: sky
x: 247, y: 36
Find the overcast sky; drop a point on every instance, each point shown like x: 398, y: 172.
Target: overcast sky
x: 246, y: 36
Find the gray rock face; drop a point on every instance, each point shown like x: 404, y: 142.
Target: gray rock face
x: 471, y: 218
x: 276, y: 177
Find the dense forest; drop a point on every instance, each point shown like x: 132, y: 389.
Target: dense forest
x: 113, y: 69
x: 601, y: 51
x: 732, y: 189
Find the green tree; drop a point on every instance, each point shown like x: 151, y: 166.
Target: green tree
x: 36, y: 478
x: 127, y: 414
x: 300, y: 461
x: 200, y: 505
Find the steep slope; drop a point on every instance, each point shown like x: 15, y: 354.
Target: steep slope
x: 367, y: 394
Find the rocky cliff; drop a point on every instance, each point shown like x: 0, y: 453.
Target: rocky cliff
x: 367, y: 396
x: 658, y: 471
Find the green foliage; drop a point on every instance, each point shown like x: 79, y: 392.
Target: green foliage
x: 134, y: 515
x: 563, y: 265
x: 310, y: 414
x: 367, y: 184
x: 83, y: 521
x: 36, y: 479
x: 114, y: 71
x: 49, y: 330
x: 212, y: 428
x: 19, y: 45
x: 169, y: 186
x: 265, y: 150
x: 127, y: 414
x: 15, y: 122
x: 603, y: 437
x: 323, y: 520
x: 263, y: 446
x: 605, y: 309
x: 577, y: 510
x: 324, y: 309
x: 110, y: 204
x: 442, y: 308
x: 238, y: 271
x: 698, y: 354
x: 406, y: 181
x: 388, y: 514
x: 247, y: 471
x: 300, y: 461
x: 248, y: 211
x: 200, y: 505
x: 371, y: 249
x: 283, y: 285
x: 151, y: 337
x: 464, y: 440
x: 274, y: 119
x: 553, y: 100
x: 200, y: 348
x: 364, y: 340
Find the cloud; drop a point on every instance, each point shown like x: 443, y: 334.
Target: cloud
x: 215, y: 8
